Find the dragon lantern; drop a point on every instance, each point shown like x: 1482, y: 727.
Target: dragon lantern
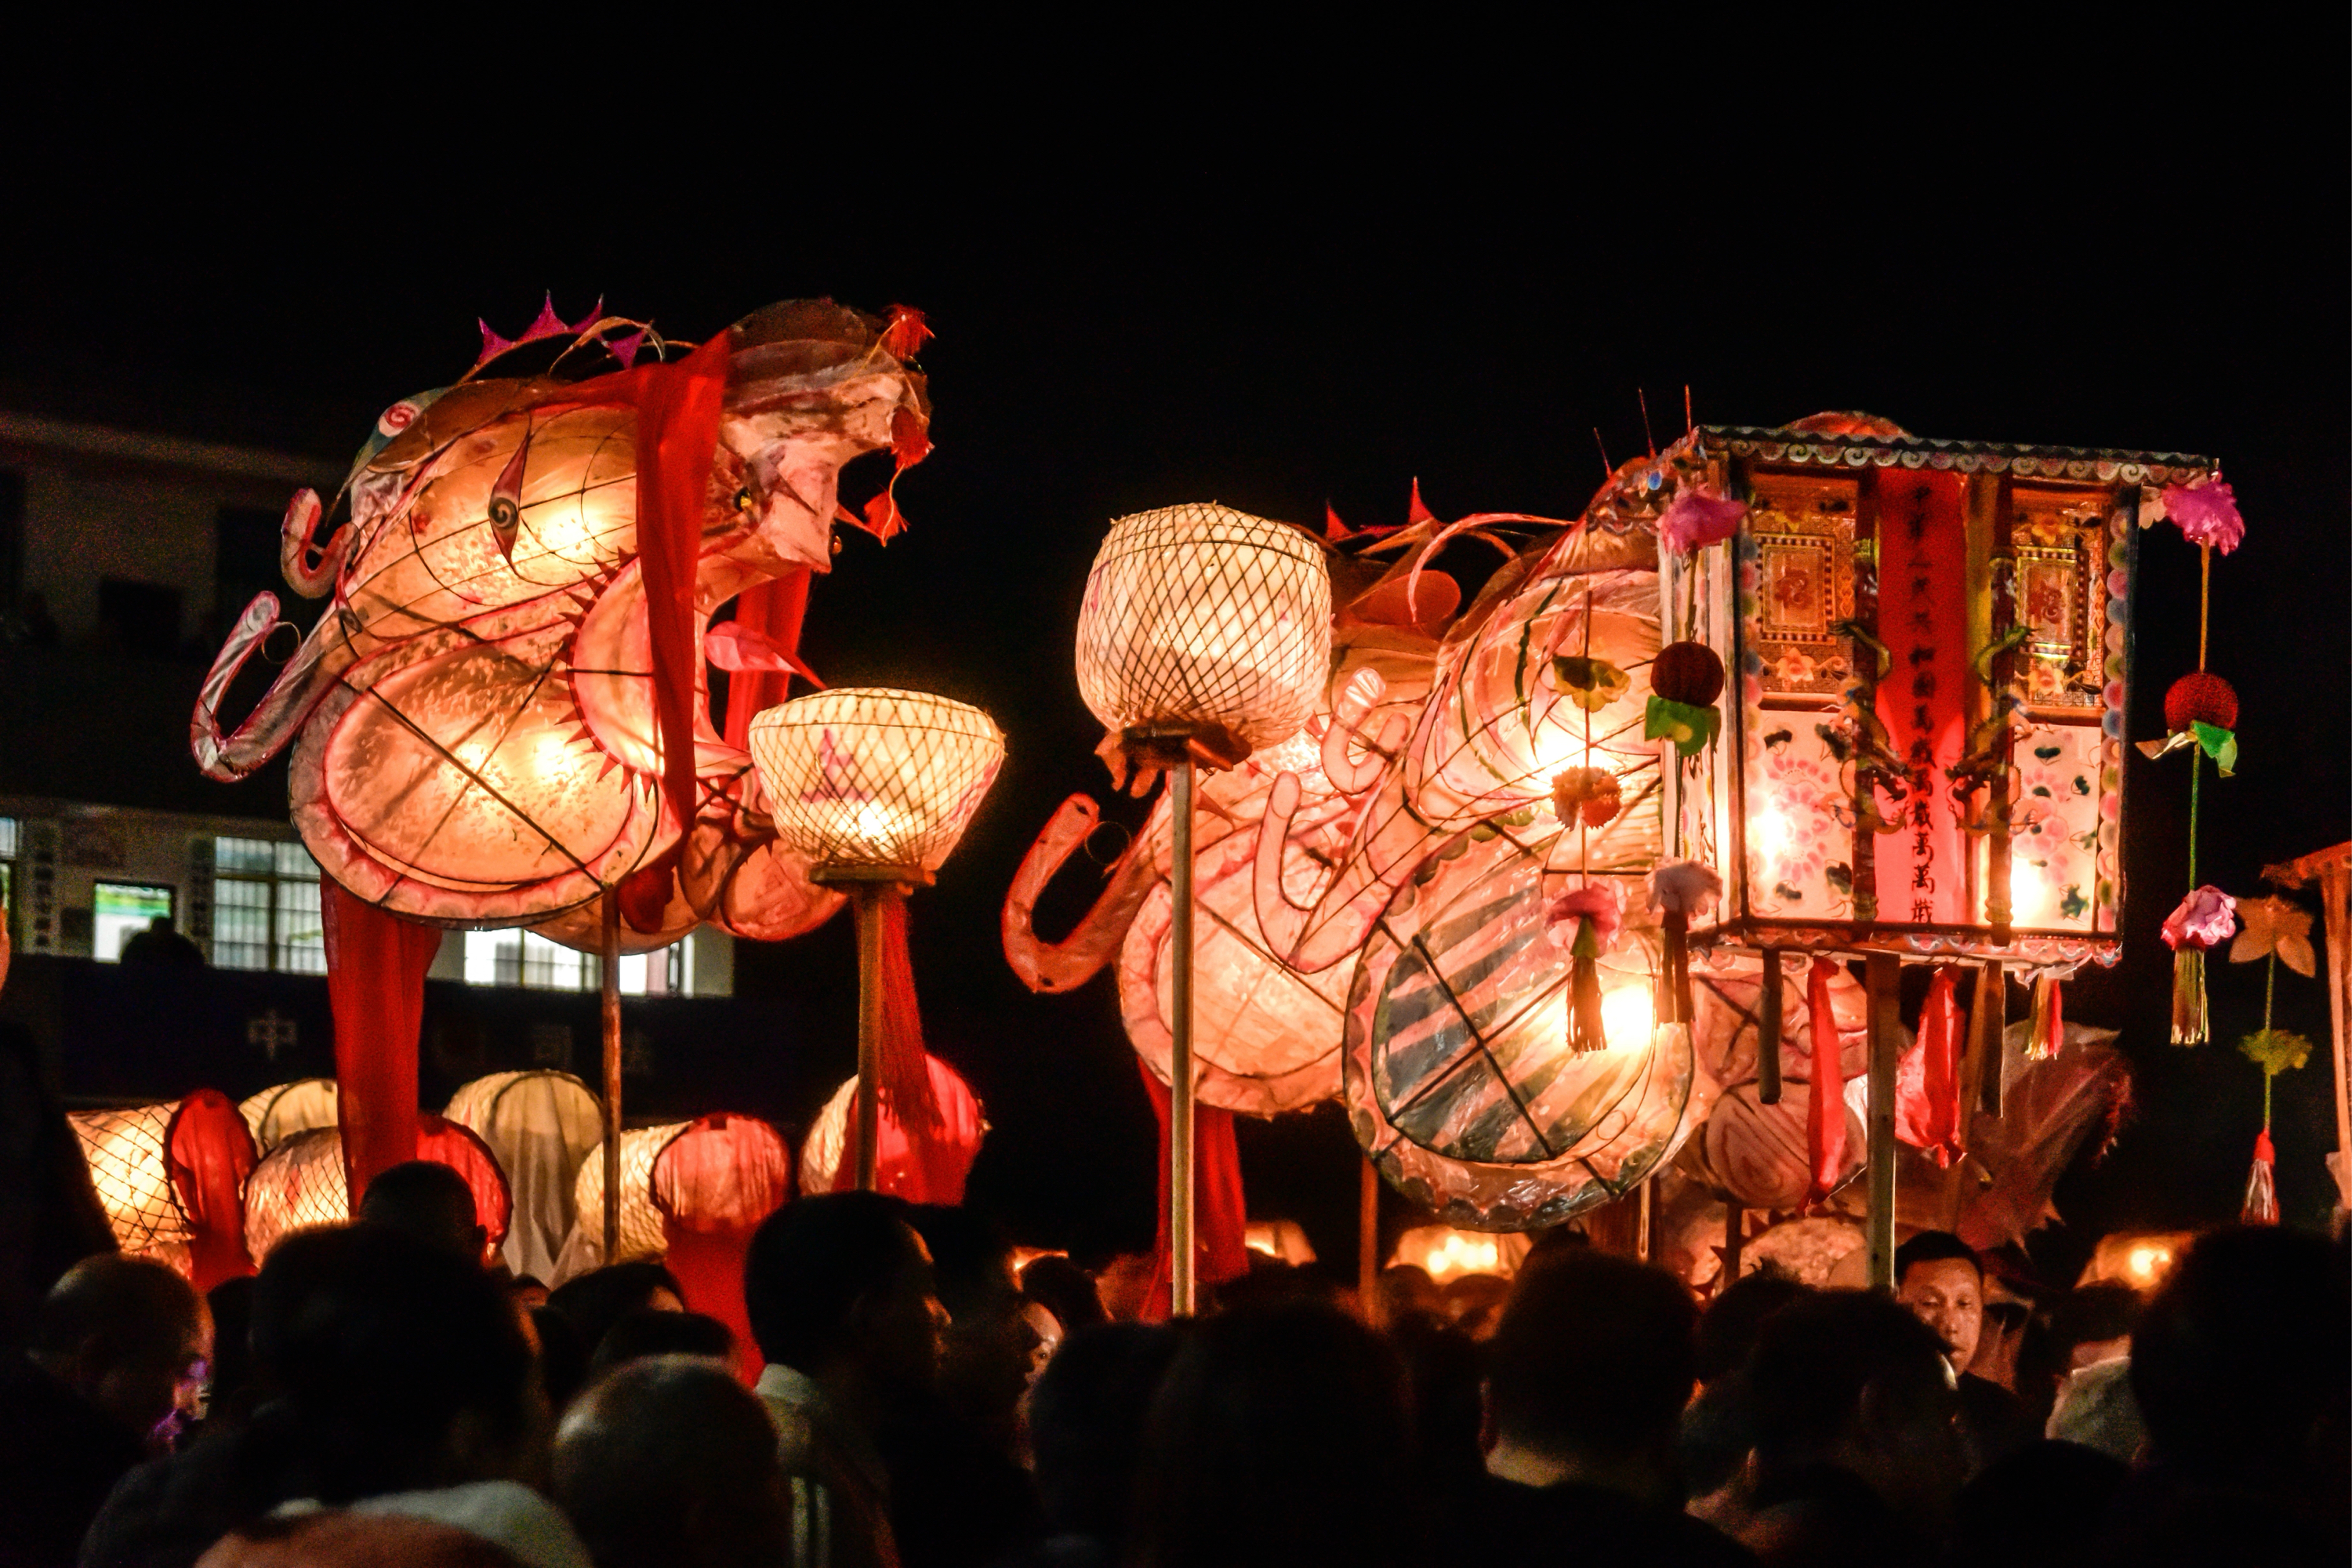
x: 504, y: 711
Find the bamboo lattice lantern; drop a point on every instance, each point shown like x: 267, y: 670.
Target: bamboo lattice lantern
x: 1206, y: 635
x: 874, y: 787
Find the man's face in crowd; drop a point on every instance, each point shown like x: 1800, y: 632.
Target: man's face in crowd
x: 156, y: 1394
x: 1948, y: 1295
x: 905, y: 1324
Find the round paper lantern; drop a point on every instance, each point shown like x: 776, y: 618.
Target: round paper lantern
x: 713, y: 1184
x: 170, y: 1178
x: 128, y: 1152
x: 302, y: 1183
x: 931, y: 1173
x: 539, y: 1126
x: 282, y: 1110
x: 641, y: 1226
x: 861, y: 776
x: 1205, y: 618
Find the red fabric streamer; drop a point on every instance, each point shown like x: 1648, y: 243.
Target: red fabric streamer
x: 678, y: 407
x: 714, y: 1183
x: 775, y: 610
x: 1220, y: 1214
x: 447, y: 1142
x: 375, y: 984
x: 903, y: 1082
x: 211, y: 1154
x: 1928, y: 1081
x: 1825, y: 1100
x: 931, y: 1171
x: 2047, y: 1036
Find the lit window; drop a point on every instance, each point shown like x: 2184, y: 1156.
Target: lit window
x: 120, y: 911
x: 8, y: 870
x: 266, y: 906
x: 526, y: 959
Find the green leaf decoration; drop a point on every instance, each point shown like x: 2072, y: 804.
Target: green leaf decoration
x: 2276, y: 1050
x: 1862, y: 638
x: 1689, y: 726
x: 2220, y: 744
x: 1995, y: 648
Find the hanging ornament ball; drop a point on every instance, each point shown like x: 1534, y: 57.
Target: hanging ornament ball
x: 1688, y: 673
x: 2206, y: 699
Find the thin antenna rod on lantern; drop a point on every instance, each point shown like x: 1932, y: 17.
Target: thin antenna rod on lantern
x: 1180, y: 1089
x: 1647, y: 434
x: 1606, y: 468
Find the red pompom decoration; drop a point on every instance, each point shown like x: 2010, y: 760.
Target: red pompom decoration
x: 1688, y: 673
x: 2206, y: 699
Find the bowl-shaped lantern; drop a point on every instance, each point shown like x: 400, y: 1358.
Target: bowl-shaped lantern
x: 302, y: 1183
x: 171, y: 1178
x: 282, y: 1110
x: 864, y: 779
x: 929, y: 1170
x: 1205, y: 619
x: 541, y: 1125
x: 641, y: 1223
x: 714, y: 1183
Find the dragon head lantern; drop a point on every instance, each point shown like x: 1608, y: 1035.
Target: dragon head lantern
x: 504, y: 711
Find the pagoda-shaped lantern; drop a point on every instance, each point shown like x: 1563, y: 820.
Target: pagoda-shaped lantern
x: 1918, y: 754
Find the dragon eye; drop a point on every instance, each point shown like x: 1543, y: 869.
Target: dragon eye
x: 743, y: 498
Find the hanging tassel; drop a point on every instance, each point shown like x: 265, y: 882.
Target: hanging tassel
x: 2047, y: 1036
x: 2188, y: 1013
x: 1928, y: 1092
x: 1584, y: 1030
x: 903, y: 1084
x: 2262, y: 1189
x: 1825, y: 1105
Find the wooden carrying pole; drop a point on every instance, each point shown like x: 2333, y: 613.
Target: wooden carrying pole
x: 1367, y: 1241
x: 1181, y: 1252
x: 1881, y: 975
x: 609, y: 989
x: 866, y: 900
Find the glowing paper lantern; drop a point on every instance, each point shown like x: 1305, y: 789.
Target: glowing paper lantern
x: 171, y: 1178
x: 1206, y: 635
x: 641, y: 1226
x: 539, y: 1126
x: 927, y: 1170
x: 301, y: 1184
x: 714, y: 1183
x: 1444, y: 1253
x: 280, y: 1111
x: 874, y: 787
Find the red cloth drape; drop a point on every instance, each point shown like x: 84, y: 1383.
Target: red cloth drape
x: 447, y: 1142
x: 775, y: 610
x: 677, y: 430
x: 375, y: 984
x: 903, y: 1080
x: 714, y: 1183
x: 930, y: 1170
x: 1220, y: 1213
x: 1825, y: 1096
x: 211, y: 1154
x: 1928, y: 1081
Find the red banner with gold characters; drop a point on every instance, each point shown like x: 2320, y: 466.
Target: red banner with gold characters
x: 1923, y: 620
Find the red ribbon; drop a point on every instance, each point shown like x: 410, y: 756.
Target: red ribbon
x: 774, y: 609
x: 375, y: 984
x: 211, y: 1154
x: 1220, y: 1214
x: 1825, y: 1104
x: 1927, y: 1090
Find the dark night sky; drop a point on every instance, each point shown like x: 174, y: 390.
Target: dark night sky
x: 1312, y: 298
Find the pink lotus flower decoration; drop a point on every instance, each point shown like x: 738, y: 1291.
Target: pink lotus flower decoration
x: 1696, y: 520
x: 1600, y: 904
x: 2208, y: 514
x: 1685, y: 887
x: 2206, y: 919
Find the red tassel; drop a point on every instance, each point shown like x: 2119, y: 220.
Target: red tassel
x: 1927, y: 1084
x: 903, y: 1084
x: 1825, y: 1107
x: 1220, y: 1212
x: 2047, y: 1036
x: 2262, y: 1188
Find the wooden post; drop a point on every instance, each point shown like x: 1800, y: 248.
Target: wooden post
x: 1642, y: 1218
x: 1767, y: 1031
x: 866, y: 900
x: 1987, y: 1018
x: 609, y: 988
x: 1367, y: 1241
x: 1883, y: 974
x: 1181, y: 1250
x: 1734, y: 1242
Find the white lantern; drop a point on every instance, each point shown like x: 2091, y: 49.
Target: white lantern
x: 641, y: 1226
x: 541, y: 1125
x: 1205, y: 618
x: 129, y: 1153
x: 860, y: 777
x: 282, y: 1110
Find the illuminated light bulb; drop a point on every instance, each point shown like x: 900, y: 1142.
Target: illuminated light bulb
x: 2144, y: 1261
x: 1460, y: 1254
x: 1771, y: 831
x: 2029, y: 891
x: 1628, y: 1016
